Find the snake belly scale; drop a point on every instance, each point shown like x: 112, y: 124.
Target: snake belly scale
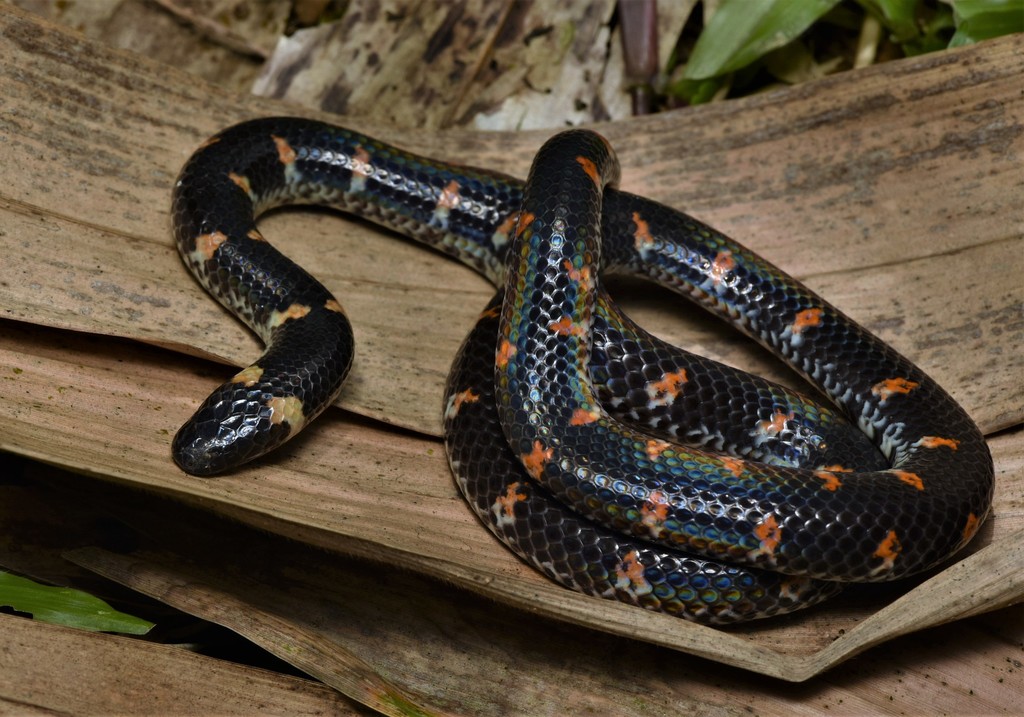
x: 616, y: 464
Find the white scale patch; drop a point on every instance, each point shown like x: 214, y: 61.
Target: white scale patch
x: 447, y: 199
x: 502, y: 518
x: 449, y: 407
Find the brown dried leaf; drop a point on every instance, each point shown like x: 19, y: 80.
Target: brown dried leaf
x: 84, y: 202
x: 407, y: 65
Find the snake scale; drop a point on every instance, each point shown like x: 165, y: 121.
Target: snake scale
x: 614, y: 463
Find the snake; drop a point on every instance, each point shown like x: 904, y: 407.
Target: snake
x: 616, y: 464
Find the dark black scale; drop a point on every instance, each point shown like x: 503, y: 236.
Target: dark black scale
x: 536, y: 410
x: 307, y: 358
x: 402, y: 193
x: 728, y: 401
x: 576, y: 552
x: 261, y: 280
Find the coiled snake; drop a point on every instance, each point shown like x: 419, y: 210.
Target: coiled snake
x: 577, y: 438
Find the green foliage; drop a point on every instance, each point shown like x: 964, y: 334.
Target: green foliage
x: 912, y: 25
x: 744, y: 37
x: 978, y: 20
x: 64, y: 606
x: 741, y: 31
x: 899, y: 17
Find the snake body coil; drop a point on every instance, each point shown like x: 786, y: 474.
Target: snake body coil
x: 556, y: 393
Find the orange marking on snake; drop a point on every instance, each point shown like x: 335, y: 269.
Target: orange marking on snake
x: 655, y: 448
x: 449, y: 198
x: 591, y: 169
x: 776, y: 425
x: 911, y: 479
x: 206, y: 244
x: 535, y: 460
x: 653, y: 512
x: 285, y: 153
x: 583, y: 416
x: 255, y: 235
x: 792, y: 586
x: 360, y: 164
x: 668, y: 385
x: 769, y: 532
x: 294, y: 311
x: 630, y: 573
x: 248, y: 376
x: 491, y: 313
x: 580, y: 276
x: 722, y: 265
x: 832, y: 482
x: 462, y: 398
x: 511, y: 497
x: 642, y: 237
x: 287, y: 409
x: 523, y: 222
x: 241, y: 181
x: 836, y: 468
x: 333, y: 305
x: 938, y: 442
x: 734, y: 465
x: 806, y: 319
x: 971, y: 527
x: 565, y: 326
x: 505, y: 352
x: 888, y: 550
x: 505, y: 229
x: 891, y: 386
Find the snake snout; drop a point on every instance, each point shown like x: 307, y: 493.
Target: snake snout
x: 208, y: 443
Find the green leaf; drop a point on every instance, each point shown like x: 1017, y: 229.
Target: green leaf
x: 697, y: 92
x: 65, y: 606
x: 898, y: 17
x: 795, y: 63
x: 741, y: 31
x: 978, y: 20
